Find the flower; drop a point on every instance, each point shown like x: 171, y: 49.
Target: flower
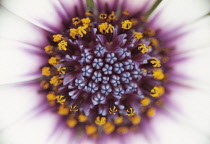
x: 105, y: 77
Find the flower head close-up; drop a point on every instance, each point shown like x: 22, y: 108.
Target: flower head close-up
x: 104, y: 71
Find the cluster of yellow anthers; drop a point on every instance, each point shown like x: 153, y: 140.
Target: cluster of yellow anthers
x: 81, y: 30
x: 54, y: 97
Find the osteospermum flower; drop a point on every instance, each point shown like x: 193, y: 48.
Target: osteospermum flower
x: 106, y: 67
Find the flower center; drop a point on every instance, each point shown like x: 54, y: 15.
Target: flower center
x: 104, y: 73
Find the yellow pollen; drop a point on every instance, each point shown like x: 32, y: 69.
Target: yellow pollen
x: 61, y: 70
x: 155, y: 62
x: 56, y: 80
x: 143, y: 19
x: 63, y: 110
x: 154, y: 42
x: 51, y: 96
x: 136, y: 119
x: 86, y: 21
x: 103, y: 16
x: 134, y: 21
x: 125, y: 12
x: 62, y: 45
x: 102, y: 27
x: 57, y: 38
x: 112, y: 16
x: 137, y: 35
x: 61, y: 99
x: 119, y: 120
x: 88, y: 14
x: 130, y: 112
x: 126, y: 24
x: 122, y: 130
x: 158, y: 74
x: 75, y: 21
x: 54, y: 60
x: 100, y: 120
x: 82, y: 117
x: 105, y: 27
x: 71, y: 122
x: 90, y: 129
x: 109, y: 128
x: 157, y: 91
x: 142, y: 48
x: 46, y: 71
x: 52, y: 103
x: 151, y: 112
x: 145, y: 102
x: 81, y: 31
x: 74, y: 108
x: 44, y: 84
x: 144, y: 71
x: 150, y: 32
x: 113, y: 110
x: 73, y: 33
x: 48, y: 49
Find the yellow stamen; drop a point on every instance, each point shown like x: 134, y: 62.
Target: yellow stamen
x: 154, y: 42
x: 122, y: 130
x: 112, y: 17
x: 158, y: 74
x: 130, y: 112
x: 136, y: 119
x: 51, y: 96
x: 81, y: 31
x: 134, y: 21
x: 57, y: 38
x: 110, y: 29
x: 90, y: 129
x: 144, y: 71
x: 52, y: 103
x: 71, y: 122
x: 145, y: 102
x: 100, y: 120
x: 143, y: 19
x: 137, y: 35
x: 105, y: 27
x: 74, y: 108
x: 125, y: 12
x: 155, y: 62
x: 159, y: 102
x: 82, y: 117
x: 113, y: 110
x: 103, y: 16
x: 63, y: 110
x: 127, y: 24
x: 150, y: 32
x: 61, y: 99
x: 143, y: 48
x: 109, y: 128
x: 62, y: 45
x: 119, y: 120
x: 151, y: 112
x: 44, y: 84
x: 102, y: 27
x: 88, y: 14
x: 157, y: 91
x: 61, y: 70
x: 54, y: 60
x: 56, y: 80
x: 73, y: 33
x: 48, y: 49
x: 75, y: 21
x: 86, y: 21
x: 46, y: 71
